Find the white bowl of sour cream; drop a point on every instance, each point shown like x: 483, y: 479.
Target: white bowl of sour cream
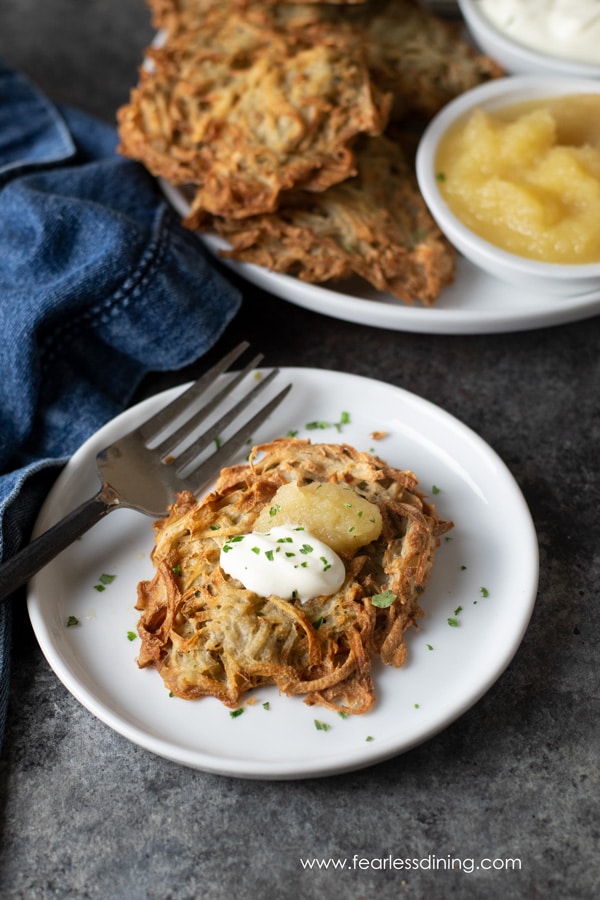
x: 554, y: 37
x: 510, y: 171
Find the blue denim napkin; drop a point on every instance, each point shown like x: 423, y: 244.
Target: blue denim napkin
x: 99, y: 284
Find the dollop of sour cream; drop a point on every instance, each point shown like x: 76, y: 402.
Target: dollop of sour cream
x: 565, y: 28
x: 287, y: 561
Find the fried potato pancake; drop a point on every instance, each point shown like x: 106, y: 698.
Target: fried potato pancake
x: 244, y: 110
x: 209, y: 636
x: 375, y: 225
x: 421, y: 58
x: 270, y: 115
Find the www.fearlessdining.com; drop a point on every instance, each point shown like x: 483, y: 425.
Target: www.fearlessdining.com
x: 397, y: 863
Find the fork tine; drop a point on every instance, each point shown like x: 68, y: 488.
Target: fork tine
x: 206, y: 471
x: 211, y: 434
x: 169, y: 444
x: 153, y: 426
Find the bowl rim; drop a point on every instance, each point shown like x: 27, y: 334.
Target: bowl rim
x: 561, y: 65
x: 494, y: 94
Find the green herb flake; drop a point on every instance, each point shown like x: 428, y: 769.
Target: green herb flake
x: 322, y: 726
x: 131, y: 635
x: 274, y: 510
x: 255, y: 550
x: 318, y: 622
x: 72, y: 621
x: 383, y: 600
x: 453, y: 622
x: 417, y: 706
x: 435, y: 489
x: 266, y: 706
x: 106, y: 579
x: 429, y: 646
x: 369, y: 737
x: 484, y: 592
x: 440, y: 176
x: 458, y: 610
x: 176, y: 569
x: 99, y: 588
x: 326, y: 565
x: 218, y: 442
x: 306, y: 548
x: 214, y: 527
x: 343, y: 715
x: 236, y: 712
x: 270, y: 555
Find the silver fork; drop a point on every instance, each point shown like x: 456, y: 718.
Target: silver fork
x: 145, y: 468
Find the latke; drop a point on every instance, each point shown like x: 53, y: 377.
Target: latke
x: 209, y: 636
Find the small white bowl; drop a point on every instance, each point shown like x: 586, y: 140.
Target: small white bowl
x: 559, y: 279
x: 514, y: 57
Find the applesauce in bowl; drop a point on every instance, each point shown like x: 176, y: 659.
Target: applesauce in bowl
x: 527, y: 177
x: 510, y: 171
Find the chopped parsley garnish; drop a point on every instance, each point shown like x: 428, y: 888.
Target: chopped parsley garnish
x: 306, y: 548
x: 435, y: 489
x: 266, y: 706
x: 72, y: 621
x: 484, y: 592
x: 429, y: 646
x: 236, y: 712
x: 453, y: 622
x: 383, y: 600
x: 322, y: 726
x: 321, y: 424
x: 131, y: 635
x: 103, y: 581
x: 176, y: 569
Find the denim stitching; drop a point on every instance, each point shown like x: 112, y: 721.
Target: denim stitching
x: 102, y: 312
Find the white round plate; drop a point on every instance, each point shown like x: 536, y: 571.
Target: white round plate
x: 485, y: 577
x: 476, y: 303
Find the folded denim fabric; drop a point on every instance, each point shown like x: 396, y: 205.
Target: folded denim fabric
x: 99, y: 284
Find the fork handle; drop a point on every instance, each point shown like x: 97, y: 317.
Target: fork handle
x: 24, y: 564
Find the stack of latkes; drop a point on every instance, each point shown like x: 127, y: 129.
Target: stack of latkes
x: 293, y: 128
